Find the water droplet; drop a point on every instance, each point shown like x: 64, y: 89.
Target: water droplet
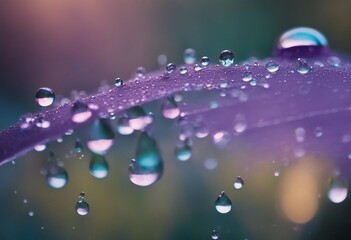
x: 118, y: 82
x: 183, y: 70
x: 302, y: 37
x: 31, y: 213
x: 40, y: 147
x: 189, y: 56
x: 78, y: 146
x: 162, y: 59
x: 80, y: 112
x: 223, y: 83
x: 238, y: 183
x: 56, y: 175
x: 338, y: 189
x: 82, y: 207
x: 226, y: 58
x: 221, y: 138
x: 138, y: 119
x: 123, y: 126
x: 334, y: 61
x: 183, y: 150
x: 210, y: 163
x: 276, y: 173
x: 247, y: 76
x: 102, y: 136
x: 205, y: 61
x: 98, y: 166
x: 214, y: 234
x: 147, y: 168
x: 223, y: 203
x: 302, y: 66
x: 171, y: 67
x: 45, y: 97
x: 140, y: 71
x: 300, y: 134
x: 272, y: 67
x: 170, y: 108
x: 197, y: 68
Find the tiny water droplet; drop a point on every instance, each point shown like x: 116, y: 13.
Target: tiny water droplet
x: 80, y: 112
x: 31, y: 213
x: 197, y: 68
x: 78, y: 146
x: 138, y: 119
x: 45, y: 97
x: 247, y: 76
x: 189, y: 56
x: 147, y: 168
x: 183, y: 150
x: 40, y: 147
x: 238, y: 183
x: 276, y: 173
x: 170, y: 108
x: 223, y: 203
x: 302, y: 66
x: 214, y: 235
x: 82, y: 207
x: 334, y: 61
x: 205, y: 61
x: 226, y: 58
x: 183, y: 70
x: 140, y: 71
x: 210, y: 163
x: 56, y: 175
x: 118, y: 82
x: 98, y: 166
x: 338, y: 189
x: 171, y: 67
x: 162, y: 59
x: 272, y: 67
x: 102, y: 136
x: 300, y: 134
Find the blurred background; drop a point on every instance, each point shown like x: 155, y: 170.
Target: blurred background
x: 77, y: 45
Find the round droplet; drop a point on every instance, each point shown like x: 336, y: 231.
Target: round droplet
x: 123, y: 126
x: 189, y: 56
x: 102, y: 136
x: 98, y: 166
x: 183, y: 150
x: 183, y: 70
x: 56, y: 175
x: 80, y: 112
x: 214, y: 234
x: 140, y: 71
x: 223, y: 203
x: 138, y: 119
x: 170, y: 109
x: 31, y: 213
x: 238, y: 183
x: 302, y: 66
x: 247, y: 76
x: 205, y: 61
x: 40, y: 147
x: 118, y: 82
x: 338, y: 189
x: 226, y: 58
x: 318, y: 131
x: 45, y: 97
x: 210, y: 163
x: 162, y: 59
x: 82, y: 207
x: 302, y: 37
x: 171, y: 67
x: 272, y: 67
x: 197, y: 68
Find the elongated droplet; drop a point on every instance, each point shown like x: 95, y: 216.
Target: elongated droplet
x: 98, y: 166
x: 226, y: 58
x: 223, y: 203
x: 183, y: 150
x: 138, y: 119
x: 189, y: 56
x: 82, y: 207
x: 239, y: 183
x: 56, y: 176
x: 102, y: 136
x: 147, y: 168
x: 170, y: 108
x: 45, y: 96
x: 80, y: 112
x: 214, y: 234
x: 338, y: 189
x: 123, y: 126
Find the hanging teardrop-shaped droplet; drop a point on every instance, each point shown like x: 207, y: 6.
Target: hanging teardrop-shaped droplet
x: 80, y: 112
x: 123, y: 126
x: 45, y: 96
x: 338, y: 189
x: 226, y: 58
x: 82, y: 207
x: 183, y: 150
x: 214, y: 234
x: 223, y: 203
x: 56, y: 175
x: 147, y: 167
x: 238, y: 183
x: 102, y: 136
x: 170, y: 108
x: 189, y: 56
x: 138, y: 119
x: 98, y: 166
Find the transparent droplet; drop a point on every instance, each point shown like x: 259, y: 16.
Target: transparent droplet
x: 272, y: 67
x: 98, y: 166
x: 147, y: 168
x: 40, y: 147
x: 238, y: 183
x: 183, y: 150
x: 80, y: 112
x: 302, y: 37
x: 183, y: 70
x: 205, y: 61
x: 189, y: 56
x: 302, y: 66
x: 214, y: 234
x: 221, y: 138
x: 223, y: 203
x: 56, y: 175
x: 170, y: 108
x: 247, y: 76
x: 140, y: 71
x: 162, y: 59
x: 82, y: 207
x: 102, y: 136
x: 334, y: 61
x: 276, y: 173
x: 226, y: 58
x: 138, y: 119
x: 45, y: 96
x: 171, y: 67
x: 197, y: 68
x: 118, y: 82
x: 300, y: 134
x: 210, y: 163
x: 78, y: 146
x: 123, y: 126
x: 31, y: 213
x: 338, y: 189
